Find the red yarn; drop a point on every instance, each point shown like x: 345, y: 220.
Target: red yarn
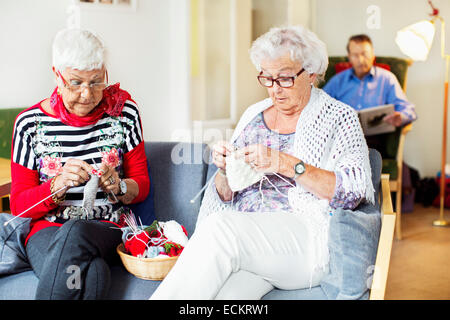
x: 137, y: 244
x: 173, y: 249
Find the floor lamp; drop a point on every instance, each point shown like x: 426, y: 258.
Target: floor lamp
x: 415, y: 41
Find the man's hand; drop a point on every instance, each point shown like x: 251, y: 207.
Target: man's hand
x: 395, y: 119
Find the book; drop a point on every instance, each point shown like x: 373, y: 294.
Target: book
x: 371, y: 119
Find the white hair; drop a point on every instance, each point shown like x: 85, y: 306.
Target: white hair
x: 78, y: 49
x: 303, y: 45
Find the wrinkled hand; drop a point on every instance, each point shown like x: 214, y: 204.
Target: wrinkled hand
x: 220, y: 150
x: 109, y: 180
x: 394, y: 119
x: 74, y: 173
x: 261, y: 158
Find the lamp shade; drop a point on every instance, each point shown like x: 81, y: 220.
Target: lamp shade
x: 415, y: 40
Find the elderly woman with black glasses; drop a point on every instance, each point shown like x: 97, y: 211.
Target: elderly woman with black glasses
x: 293, y: 158
x: 82, y: 150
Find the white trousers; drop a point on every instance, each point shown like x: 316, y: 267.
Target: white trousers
x: 235, y: 255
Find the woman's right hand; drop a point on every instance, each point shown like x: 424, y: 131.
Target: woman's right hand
x: 220, y: 151
x: 74, y: 173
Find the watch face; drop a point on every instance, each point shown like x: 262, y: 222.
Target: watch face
x: 299, y: 168
x: 123, y: 187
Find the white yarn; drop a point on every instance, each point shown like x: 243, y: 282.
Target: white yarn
x: 240, y: 174
x: 173, y: 232
x: 328, y: 136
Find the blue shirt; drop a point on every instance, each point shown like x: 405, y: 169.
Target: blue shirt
x: 378, y: 87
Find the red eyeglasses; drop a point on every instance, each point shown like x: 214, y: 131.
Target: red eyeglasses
x: 76, y: 85
x: 284, y: 82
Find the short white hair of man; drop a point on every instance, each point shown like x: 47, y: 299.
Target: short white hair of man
x: 302, y: 44
x: 78, y: 49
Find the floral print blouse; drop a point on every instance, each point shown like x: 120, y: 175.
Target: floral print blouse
x: 271, y: 194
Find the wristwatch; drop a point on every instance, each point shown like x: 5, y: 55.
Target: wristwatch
x: 122, y: 187
x: 299, y: 169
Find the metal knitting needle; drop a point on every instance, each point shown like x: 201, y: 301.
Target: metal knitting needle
x: 209, y: 181
x: 205, y: 186
x: 112, y: 193
x: 63, y: 188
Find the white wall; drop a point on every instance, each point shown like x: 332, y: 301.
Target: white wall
x: 148, y: 55
x: 337, y: 20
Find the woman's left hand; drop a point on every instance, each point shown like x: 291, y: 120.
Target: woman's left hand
x: 109, y: 180
x: 261, y: 158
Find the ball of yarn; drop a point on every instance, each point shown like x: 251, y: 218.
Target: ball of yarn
x: 137, y: 244
x: 153, y: 252
x: 174, y: 232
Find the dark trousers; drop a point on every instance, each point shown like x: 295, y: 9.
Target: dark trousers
x: 72, y: 261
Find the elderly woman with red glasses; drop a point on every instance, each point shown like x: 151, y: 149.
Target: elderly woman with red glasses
x: 85, y: 131
x: 267, y: 227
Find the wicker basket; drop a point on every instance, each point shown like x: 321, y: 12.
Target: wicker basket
x: 146, y: 268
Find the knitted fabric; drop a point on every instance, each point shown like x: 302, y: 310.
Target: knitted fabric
x: 89, y: 194
x: 240, y: 174
x: 328, y: 136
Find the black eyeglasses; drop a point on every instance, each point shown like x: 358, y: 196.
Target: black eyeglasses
x: 284, y: 82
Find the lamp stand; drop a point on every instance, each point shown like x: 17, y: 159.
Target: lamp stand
x: 442, y: 222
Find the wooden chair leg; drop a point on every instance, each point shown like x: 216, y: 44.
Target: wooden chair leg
x: 398, y: 213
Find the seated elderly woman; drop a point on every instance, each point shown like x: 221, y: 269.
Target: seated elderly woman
x: 84, y: 145
x: 312, y: 152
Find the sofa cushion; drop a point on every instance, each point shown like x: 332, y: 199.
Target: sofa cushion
x: 353, y: 243
x: 13, y: 258
x: 124, y: 286
x: 145, y: 210
x: 178, y: 172
x: 20, y: 286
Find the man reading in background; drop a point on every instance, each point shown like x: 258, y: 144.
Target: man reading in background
x: 365, y: 85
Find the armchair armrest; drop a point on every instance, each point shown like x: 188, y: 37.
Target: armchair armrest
x: 401, y: 143
x: 385, y: 243
x: 407, y: 128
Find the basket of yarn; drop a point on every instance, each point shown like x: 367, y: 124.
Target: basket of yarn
x: 150, y: 252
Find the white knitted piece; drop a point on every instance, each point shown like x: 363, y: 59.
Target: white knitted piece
x: 328, y: 136
x: 240, y: 174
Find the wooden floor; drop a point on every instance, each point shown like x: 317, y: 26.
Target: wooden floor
x: 420, y: 262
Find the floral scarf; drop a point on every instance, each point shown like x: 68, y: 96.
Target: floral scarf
x: 112, y: 103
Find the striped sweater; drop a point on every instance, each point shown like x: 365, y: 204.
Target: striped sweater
x: 41, y: 146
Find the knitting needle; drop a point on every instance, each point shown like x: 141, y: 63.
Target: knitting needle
x: 112, y: 193
x: 205, y: 186
x: 7, y: 222
x: 209, y: 181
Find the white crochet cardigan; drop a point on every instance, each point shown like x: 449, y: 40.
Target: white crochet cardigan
x: 328, y: 136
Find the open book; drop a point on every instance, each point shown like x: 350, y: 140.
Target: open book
x: 372, y: 119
